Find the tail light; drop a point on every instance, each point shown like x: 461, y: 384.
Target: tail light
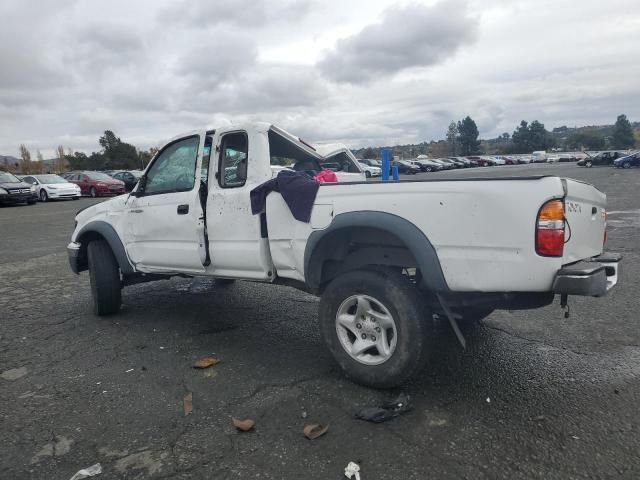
x: 550, y: 229
x: 604, y: 214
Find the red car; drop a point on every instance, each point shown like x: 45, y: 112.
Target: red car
x: 96, y: 184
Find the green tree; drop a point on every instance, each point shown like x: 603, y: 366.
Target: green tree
x: 622, y: 133
x: 529, y: 137
x: 452, y: 138
x: 586, y: 139
x: 116, y: 154
x: 369, y: 152
x: 468, y: 136
x: 521, y: 138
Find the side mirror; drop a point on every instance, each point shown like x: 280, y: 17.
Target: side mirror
x: 142, y: 184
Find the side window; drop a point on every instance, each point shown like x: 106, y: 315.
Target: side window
x: 30, y: 180
x: 339, y: 163
x: 234, y: 152
x: 174, y: 170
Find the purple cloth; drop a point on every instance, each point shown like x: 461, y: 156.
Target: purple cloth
x: 297, y: 188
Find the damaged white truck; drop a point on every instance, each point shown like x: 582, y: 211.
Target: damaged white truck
x: 384, y: 258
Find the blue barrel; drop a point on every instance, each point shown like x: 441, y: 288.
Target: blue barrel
x: 386, y: 163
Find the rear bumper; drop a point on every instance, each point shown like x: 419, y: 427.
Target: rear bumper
x: 592, y: 278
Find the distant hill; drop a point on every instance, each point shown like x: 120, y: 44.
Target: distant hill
x: 8, y: 162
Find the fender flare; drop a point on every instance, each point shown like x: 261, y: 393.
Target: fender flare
x: 415, y: 240
x: 111, y: 236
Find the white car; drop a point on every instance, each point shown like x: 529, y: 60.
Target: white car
x: 51, y: 187
x: 383, y: 257
x: 553, y: 158
x: 370, y: 171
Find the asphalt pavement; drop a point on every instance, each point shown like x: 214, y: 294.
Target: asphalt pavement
x: 534, y: 395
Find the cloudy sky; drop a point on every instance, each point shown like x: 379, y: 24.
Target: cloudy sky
x: 363, y: 72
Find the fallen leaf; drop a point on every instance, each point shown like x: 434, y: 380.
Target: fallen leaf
x: 244, y: 425
x: 188, y: 404
x: 314, y: 430
x: 206, y: 362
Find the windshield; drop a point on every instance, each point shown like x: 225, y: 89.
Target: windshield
x: 48, y: 179
x: 98, y: 176
x: 6, y: 177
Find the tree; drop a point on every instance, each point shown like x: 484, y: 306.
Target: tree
x: 25, y: 162
x: 369, y: 152
x: 521, y: 138
x: 452, y: 141
x: 117, y: 154
x: 61, y: 163
x: 468, y: 136
x: 529, y: 137
x: 586, y: 139
x: 39, y: 156
x: 622, y: 133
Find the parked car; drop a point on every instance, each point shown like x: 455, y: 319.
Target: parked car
x: 450, y: 163
x: 14, y: 190
x: 381, y: 262
x: 486, y: 161
x: 405, y: 166
x: 129, y: 177
x: 539, y: 156
x: 553, y: 158
x: 53, y: 187
x: 498, y: 160
x: 463, y: 162
x: 428, y: 165
x: 602, y: 158
x: 96, y: 184
x: 443, y: 165
x: 371, y: 162
x: 370, y: 171
x: 629, y: 161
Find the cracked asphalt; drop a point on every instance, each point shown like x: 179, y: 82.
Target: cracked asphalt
x: 533, y: 396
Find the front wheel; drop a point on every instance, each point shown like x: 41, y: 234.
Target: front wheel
x: 104, y: 275
x: 626, y: 165
x: 43, y: 196
x: 376, y: 326
x: 588, y: 164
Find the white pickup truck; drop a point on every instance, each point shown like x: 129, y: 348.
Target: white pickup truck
x: 385, y: 258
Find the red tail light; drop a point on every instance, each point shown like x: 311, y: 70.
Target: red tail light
x: 550, y: 229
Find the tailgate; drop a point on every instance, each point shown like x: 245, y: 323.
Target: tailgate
x: 585, y: 221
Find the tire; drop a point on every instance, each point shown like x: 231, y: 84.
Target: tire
x: 43, y: 196
x: 412, y: 324
x: 626, y: 165
x: 223, y: 282
x: 428, y: 169
x: 104, y: 274
x: 588, y: 164
x: 367, y: 174
x: 93, y: 192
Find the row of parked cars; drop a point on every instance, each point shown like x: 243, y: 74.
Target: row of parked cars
x: 617, y: 158
x: 29, y: 189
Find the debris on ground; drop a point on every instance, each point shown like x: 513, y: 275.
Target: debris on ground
x: 314, y: 430
x: 206, y: 362
x: 386, y: 411
x: 14, y: 373
x: 352, y: 471
x: 188, y: 404
x: 91, y: 471
x: 488, y: 400
x: 130, y: 370
x: 243, y: 425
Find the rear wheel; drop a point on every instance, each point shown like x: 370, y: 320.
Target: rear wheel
x: 375, y: 324
x: 93, y: 192
x: 588, y: 163
x: 104, y: 274
x: 626, y: 165
x: 43, y: 196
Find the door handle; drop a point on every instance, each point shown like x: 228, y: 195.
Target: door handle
x: 183, y: 209
x: 137, y: 210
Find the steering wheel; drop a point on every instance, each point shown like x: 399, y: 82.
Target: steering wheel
x: 183, y: 179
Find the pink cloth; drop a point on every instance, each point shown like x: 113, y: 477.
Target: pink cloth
x: 326, y: 176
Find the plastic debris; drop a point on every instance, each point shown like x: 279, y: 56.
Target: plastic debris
x: 130, y: 370
x: 352, y: 471
x: 314, y: 430
x: 188, y: 404
x: 243, y: 425
x: 386, y: 411
x: 488, y: 400
x: 91, y: 471
x: 206, y: 362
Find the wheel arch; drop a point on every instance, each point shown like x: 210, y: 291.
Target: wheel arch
x: 390, y: 240
x: 99, y: 230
